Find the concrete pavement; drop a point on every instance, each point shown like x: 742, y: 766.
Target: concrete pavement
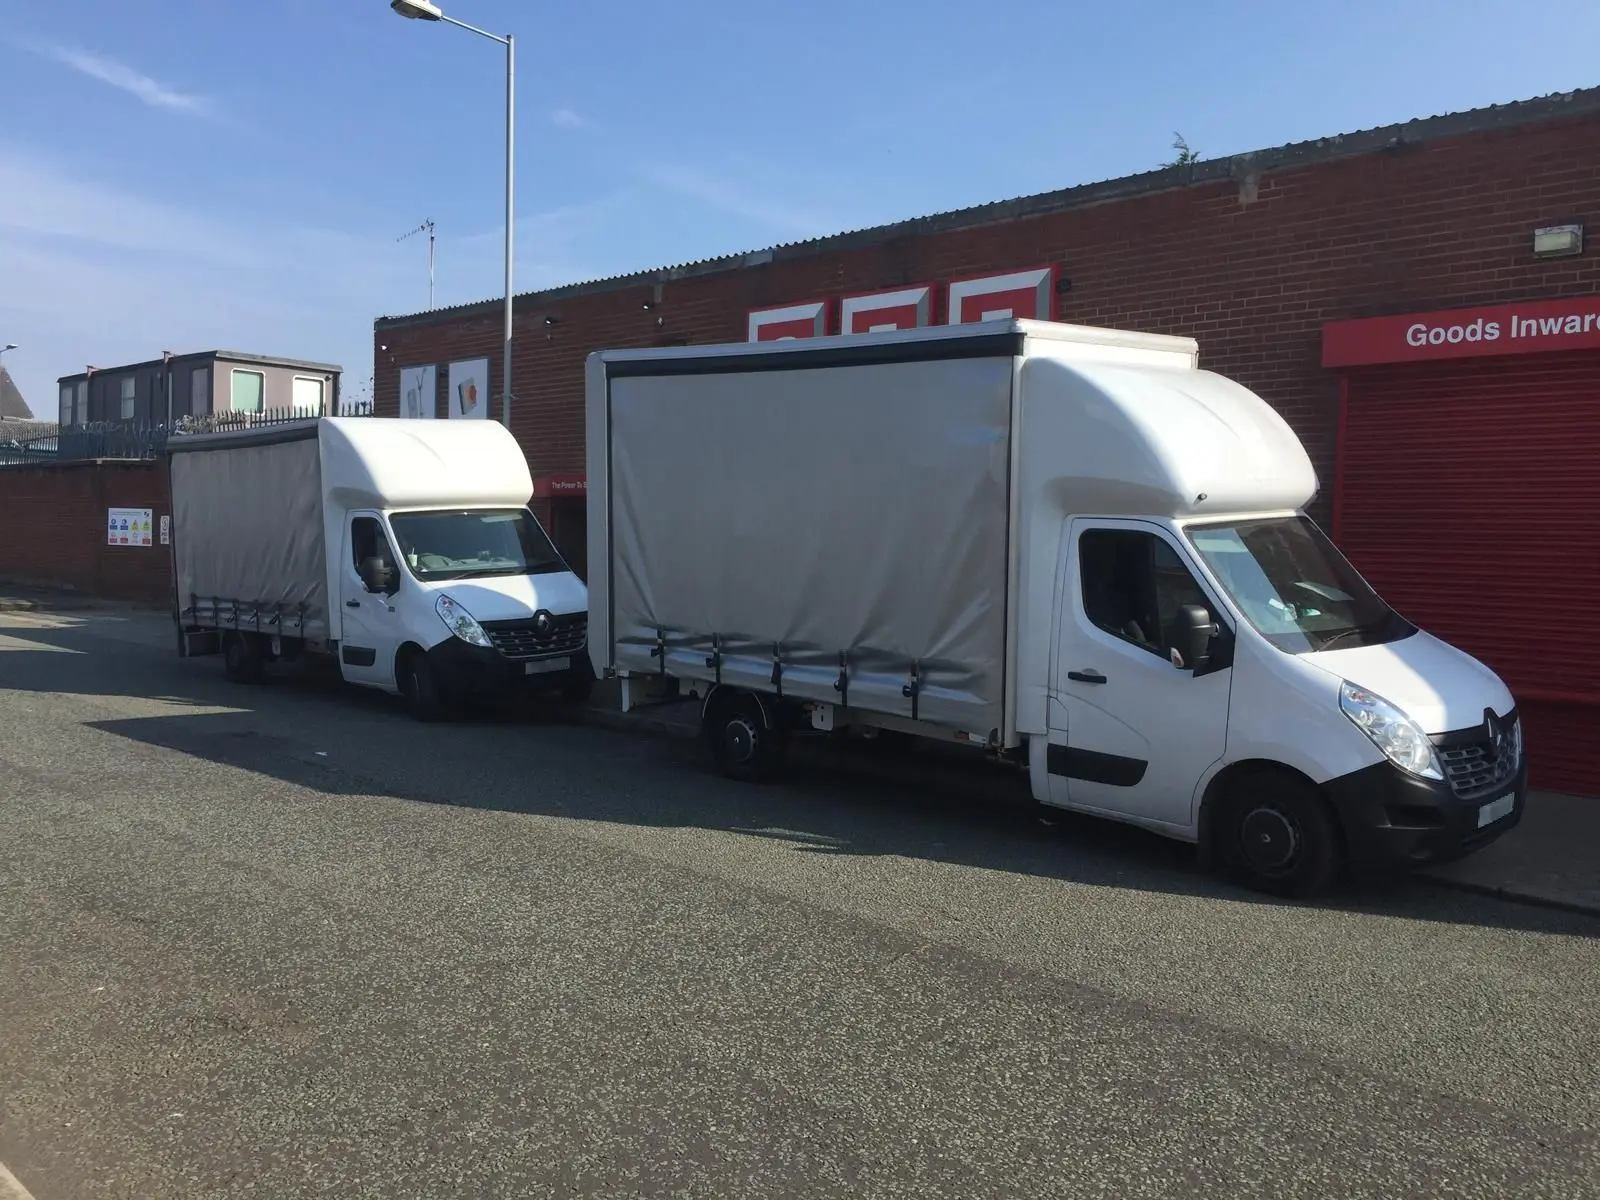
x: 279, y: 941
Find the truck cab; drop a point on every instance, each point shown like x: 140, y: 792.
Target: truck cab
x: 460, y: 602
x: 1212, y: 667
x: 1236, y: 682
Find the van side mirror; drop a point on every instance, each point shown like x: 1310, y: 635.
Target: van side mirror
x: 377, y: 575
x: 1193, y: 637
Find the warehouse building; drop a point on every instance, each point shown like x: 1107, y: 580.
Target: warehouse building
x: 1420, y: 301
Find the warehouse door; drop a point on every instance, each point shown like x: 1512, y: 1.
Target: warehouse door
x: 1468, y: 494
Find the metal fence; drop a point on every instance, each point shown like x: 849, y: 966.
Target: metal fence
x: 24, y: 442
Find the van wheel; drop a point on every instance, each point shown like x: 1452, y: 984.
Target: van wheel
x: 242, y: 658
x: 744, y: 744
x: 420, y: 688
x: 1277, y: 836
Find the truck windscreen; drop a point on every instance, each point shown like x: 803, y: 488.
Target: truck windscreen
x: 473, y: 543
x: 1294, y: 586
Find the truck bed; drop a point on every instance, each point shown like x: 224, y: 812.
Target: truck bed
x: 247, y: 532
x: 837, y: 534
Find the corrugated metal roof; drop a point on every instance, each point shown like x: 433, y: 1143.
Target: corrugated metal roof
x: 1295, y: 154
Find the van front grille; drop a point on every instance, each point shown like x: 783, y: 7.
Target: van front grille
x: 1475, y: 768
x: 524, y: 639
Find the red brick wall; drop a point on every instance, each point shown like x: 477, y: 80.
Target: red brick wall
x: 1251, y: 268
x: 53, y: 529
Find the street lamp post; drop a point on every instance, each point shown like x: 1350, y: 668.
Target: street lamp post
x: 424, y: 10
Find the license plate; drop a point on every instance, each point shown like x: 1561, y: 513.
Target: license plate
x: 546, y: 665
x: 1496, y: 809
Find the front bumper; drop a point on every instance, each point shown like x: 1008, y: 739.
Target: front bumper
x: 466, y: 671
x: 1394, y: 819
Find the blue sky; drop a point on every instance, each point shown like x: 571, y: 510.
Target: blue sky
x: 192, y: 174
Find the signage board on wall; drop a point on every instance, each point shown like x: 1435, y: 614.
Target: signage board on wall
x: 130, y: 527
x: 469, y: 389
x: 789, y: 322
x: 1533, y: 327
x: 547, y: 486
x: 876, y: 312
x: 1023, y: 295
x: 419, y: 392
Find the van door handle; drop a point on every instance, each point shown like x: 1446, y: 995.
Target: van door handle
x: 352, y: 604
x: 1086, y: 677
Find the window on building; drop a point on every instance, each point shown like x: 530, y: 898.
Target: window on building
x: 248, y: 390
x: 80, y: 406
x: 64, y: 413
x: 200, y: 392
x: 1133, y: 586
x: 308, y: 394
x: 129, y: 397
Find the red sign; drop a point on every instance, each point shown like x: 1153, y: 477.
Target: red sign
x: 876, y: 312
x: 790, y: 321
x: 546, y: 486
x: 1533, y: 327
x: 1025, y: 295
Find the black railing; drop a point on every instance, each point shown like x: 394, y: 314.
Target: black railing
x: 24, y: 442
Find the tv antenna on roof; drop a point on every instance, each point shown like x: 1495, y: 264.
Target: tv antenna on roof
x: 427, y: 227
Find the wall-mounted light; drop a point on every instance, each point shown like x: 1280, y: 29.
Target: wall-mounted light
x: 1557, y: 241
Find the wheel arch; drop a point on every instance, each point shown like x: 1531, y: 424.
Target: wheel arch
x: 724, y: 693
x: 402, y: 655
x: 1224, y: 781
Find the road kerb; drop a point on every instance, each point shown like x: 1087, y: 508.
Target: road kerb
x: 11, y: 1187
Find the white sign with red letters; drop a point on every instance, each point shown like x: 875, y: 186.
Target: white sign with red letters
x: 1024, y: 295
x: 789, y: 322
x: 876, y: 312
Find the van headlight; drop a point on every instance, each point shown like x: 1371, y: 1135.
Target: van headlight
x: 461, y: 623
x: 1391, y: 731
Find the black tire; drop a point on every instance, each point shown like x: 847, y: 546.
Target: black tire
x: 1276, y: 835
x: 744, y: 744
x: 420, y: 688
x: 243, y: 658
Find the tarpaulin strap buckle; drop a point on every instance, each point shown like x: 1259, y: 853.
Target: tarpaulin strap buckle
x: 913, y: 689
x: 715, y: 659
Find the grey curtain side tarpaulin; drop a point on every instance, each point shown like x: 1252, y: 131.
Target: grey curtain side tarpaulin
x: 247, y: 527
x: 856, y: 509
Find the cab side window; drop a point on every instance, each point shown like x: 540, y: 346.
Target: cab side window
x: 367, y: 541
x: 1134, y: 583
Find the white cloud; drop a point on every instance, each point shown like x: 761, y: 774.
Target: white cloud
x: 120, y: 75
x: 566, y: 118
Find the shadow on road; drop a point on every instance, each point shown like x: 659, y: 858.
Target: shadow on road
x: 310, y: 731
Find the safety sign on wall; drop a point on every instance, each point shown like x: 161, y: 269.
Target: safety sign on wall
x: 130, y: 527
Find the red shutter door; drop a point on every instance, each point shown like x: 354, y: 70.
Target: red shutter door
x: 1469, y: 496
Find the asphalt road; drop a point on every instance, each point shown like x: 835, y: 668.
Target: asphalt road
x: 283, y: 942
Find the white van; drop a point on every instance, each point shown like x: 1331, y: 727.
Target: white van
x: 1070, y: 547
x: 404, y: 549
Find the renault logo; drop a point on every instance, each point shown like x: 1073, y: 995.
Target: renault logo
x: 542, y: 623
x: 1494, y: 731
